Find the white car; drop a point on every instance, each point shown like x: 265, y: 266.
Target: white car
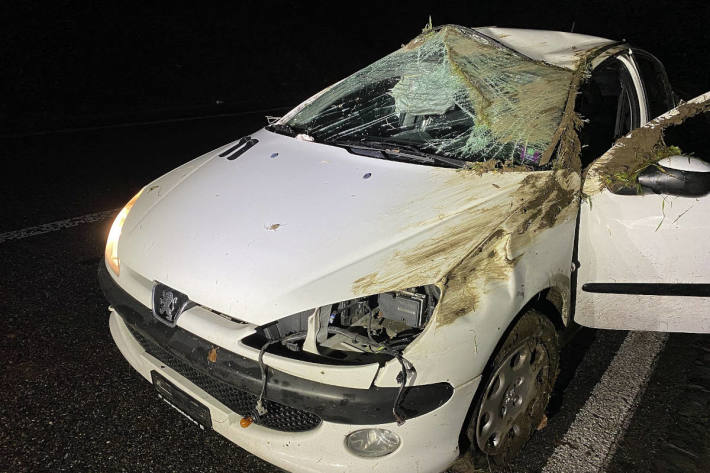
x: 395, y: 261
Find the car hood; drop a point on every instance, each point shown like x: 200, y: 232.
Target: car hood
x: 291, y: 225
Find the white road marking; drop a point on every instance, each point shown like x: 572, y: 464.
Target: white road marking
x: 590, y: 442
x: 55, y: 226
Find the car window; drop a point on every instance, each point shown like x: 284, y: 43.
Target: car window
x: 452, y: 92
x: 609, y: 106
x: 692, y: 137
x: 655, y: 83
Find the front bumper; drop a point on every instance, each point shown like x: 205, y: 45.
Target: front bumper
x: 429, y: 440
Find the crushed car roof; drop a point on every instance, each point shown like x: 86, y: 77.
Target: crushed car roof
x: 558, y: 48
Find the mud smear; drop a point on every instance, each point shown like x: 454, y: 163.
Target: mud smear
x: 639, y: 149
x: 484, y: 244
x: 485, y: 241
x: 545, y: 199
x: 566, y: 139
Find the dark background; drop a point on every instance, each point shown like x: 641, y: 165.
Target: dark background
x: 77, y: 64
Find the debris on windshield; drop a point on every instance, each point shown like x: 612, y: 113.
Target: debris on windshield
x: 304, y: 137
x: 479, y: 167
x: 491, y: 165
x: 450, y: 91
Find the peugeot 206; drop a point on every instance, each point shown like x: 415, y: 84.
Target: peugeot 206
x: 382, y: 279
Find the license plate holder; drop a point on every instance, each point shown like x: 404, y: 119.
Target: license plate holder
x: 195, y: 411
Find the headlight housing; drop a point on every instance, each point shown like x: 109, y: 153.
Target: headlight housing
x: 372, y: 442
x: 365, y: 325
x: 111, y: 252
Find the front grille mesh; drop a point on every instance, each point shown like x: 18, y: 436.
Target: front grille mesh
x: 278, y: 417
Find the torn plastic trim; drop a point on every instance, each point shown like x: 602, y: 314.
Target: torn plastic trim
x: 260, y: 406
x: 408, y: 308
x: 408, y: 371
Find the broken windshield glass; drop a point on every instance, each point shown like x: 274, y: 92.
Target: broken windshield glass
x: 452, y: 92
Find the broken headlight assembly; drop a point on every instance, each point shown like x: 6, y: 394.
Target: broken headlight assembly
x: 364, y: 330
x: 357, y: 331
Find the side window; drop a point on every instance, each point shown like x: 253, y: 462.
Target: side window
x: 655, y: 83
x: 609, y: 105
x: 692, y: 136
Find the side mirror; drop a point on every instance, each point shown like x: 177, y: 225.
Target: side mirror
x: 677, y: 175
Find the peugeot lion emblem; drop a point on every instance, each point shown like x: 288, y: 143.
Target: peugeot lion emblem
x: 168, y: 303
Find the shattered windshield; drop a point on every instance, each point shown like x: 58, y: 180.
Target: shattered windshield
x: 451, y: 92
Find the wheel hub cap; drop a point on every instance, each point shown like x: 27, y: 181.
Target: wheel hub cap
x: 513, y: 390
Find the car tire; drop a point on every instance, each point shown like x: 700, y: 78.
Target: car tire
x: 515, y: 390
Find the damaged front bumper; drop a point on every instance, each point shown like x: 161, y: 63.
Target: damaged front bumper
x: 306, y: 421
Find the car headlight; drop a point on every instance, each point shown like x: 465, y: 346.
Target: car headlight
x: 372, y: 442
x: 392, y: 312
x: 368, y: 329
x: 111, y: 253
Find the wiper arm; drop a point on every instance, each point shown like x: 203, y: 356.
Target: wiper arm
x: 380, y: 151
x: 282, y: 129
x: 288, y: 130
x: 392, y: 149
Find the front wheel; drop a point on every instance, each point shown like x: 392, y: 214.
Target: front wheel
x: 515, y: 390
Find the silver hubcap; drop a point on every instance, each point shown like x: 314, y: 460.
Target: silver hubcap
x: 514, y: 390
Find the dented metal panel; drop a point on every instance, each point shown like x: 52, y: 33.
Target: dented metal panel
x: 559, y: 48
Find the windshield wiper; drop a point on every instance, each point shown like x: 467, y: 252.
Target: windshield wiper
x: 393, y: 149
x: 282, y: 129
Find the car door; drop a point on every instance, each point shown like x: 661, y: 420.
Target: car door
x: 643, y: 253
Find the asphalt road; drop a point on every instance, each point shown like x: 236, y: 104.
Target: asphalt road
x: 624, y: 402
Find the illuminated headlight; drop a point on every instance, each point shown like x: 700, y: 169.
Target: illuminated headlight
x: 372, y: 442
x: 111, y: 253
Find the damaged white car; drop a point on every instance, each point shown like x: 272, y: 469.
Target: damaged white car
x: 394, y: 262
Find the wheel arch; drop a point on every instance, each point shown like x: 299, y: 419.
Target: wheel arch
x: 552, y: 303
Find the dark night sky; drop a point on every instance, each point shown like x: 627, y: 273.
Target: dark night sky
x: 70, y: 64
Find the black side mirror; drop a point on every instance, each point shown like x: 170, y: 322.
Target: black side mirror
x: 677, y: 175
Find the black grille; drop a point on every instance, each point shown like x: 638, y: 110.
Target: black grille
x: 278, y: 417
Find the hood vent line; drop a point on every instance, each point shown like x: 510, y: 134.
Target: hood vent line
x: 240, y: 148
